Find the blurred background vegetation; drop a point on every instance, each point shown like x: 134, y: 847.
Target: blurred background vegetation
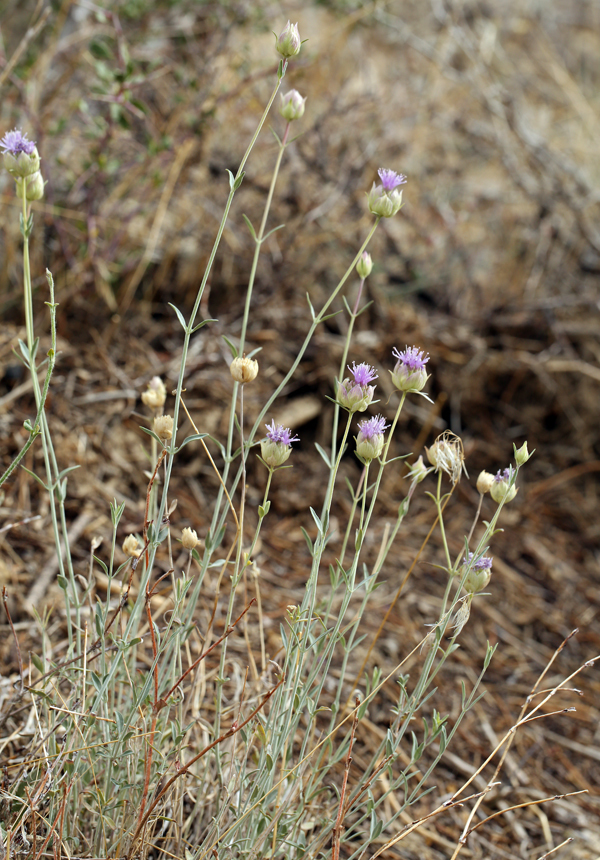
x: 492, y: 110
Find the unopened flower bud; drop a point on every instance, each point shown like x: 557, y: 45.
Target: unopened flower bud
x: 163, y: 427
x: 501, y: 489
x: 277, y: 446
x: 522, y: 454
x: 369, y: 442
x: 418, y: 471
x: 292, y: 105
x: 409, y: 373
x: 34, y: 186
x: 21, y: 157
x: 364, y: 265
x: 288, y: 43
x: 479, y: 573
x: 131, y: 547
x: 244, y: 369
x: 156, y: 393
x: 385, y: 199
x: 447, y: 454
x: 355, y: 394
x: 484, y: 482
x: 189, y: 539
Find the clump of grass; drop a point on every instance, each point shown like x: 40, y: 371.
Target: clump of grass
x: 147, y: 738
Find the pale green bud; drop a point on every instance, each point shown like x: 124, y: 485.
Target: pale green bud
x: 34, y: 185
x: 418, y: 471
x: 288, y: 43
x: 364, y: 265
x: 522, y: 455
x: 292, y: 105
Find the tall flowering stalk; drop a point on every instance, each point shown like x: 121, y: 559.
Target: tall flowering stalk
x: 22, y: 160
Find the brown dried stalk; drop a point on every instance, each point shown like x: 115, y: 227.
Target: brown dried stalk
x: 343, y: 808
x: 182, y: 770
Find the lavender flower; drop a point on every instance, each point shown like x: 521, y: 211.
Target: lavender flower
x: 390, y: 179
x: 356, y: 394
x: 277, y: 446
x: 501, y: 489
x: 369, y: 443
x: 21, y: 157
x: 478, y: 572
x: 409, y: 374
x: 385, y: 199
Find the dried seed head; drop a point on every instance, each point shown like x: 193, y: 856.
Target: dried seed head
x: 189, y: 539
x: 163, y: 427
x: 244, y: 369
x: 131, y: 547
x: 156, y: 394
x: 462, y: 616
x: 447, y: 454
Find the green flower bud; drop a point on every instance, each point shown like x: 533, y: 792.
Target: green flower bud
x: 292, y: 105
x: 288, y: 43
x: 364, y: 265
x: 522, y: 455
x: 34, y: 186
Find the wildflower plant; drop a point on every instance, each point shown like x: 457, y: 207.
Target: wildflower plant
x: 144, y: 744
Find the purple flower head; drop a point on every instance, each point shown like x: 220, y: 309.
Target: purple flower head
x: 483, y: 563
x: 371, y: 427
x: 412, y: 358
x: 363, y: 373
x: 279, y: 433
x: 390, y: 179
x: 15, y: 142
x: 409, y: 374
x: 355, y: 394
x: 502, y: 475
